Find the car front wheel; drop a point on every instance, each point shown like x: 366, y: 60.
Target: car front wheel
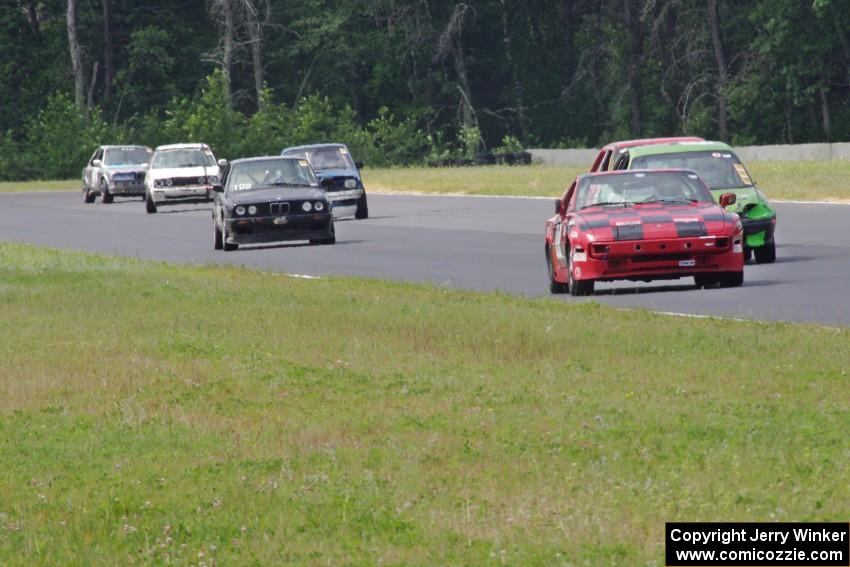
x: 765, y: 254
x: 330, y: 240
x: 88, y: 196
x: 218, y: 242
x: 554, y: 285
x: 228, y: 247
x: 578, y: 287
x: 150, y: 204
x: 362, y: 211
x: 732, y: 279
x: 105, y: 196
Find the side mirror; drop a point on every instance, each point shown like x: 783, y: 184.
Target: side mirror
x: 358, y: 164
x: 218, y: 188
x: 96, y: 163
x: 727, y: 199
x: 222, y: 163
x: 558, y: 208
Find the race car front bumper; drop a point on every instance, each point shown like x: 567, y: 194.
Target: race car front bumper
x: 126, y: 188
x: 654, y: 259
x: 344, y: 203
x: 184, y: 194
x: 260, y: 230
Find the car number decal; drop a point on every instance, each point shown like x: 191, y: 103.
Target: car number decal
x: 687, y: 263
x: 242, y: 186
x: 742, y: 173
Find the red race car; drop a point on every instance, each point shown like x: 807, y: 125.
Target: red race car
x: 608, y: 155
x: 642, y: 225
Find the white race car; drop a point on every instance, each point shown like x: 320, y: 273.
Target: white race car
x: 181, y: 173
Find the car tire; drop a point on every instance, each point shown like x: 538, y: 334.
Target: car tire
x: 330, y: 240
x: 555, y: 286
x: 765, y: 254
x: 228, y: 247
x: 88, y: 196
x: 732, y: 279
x: 218, y: 241
x: 105, y: 196
x: 578, y: 287
x: 706, y: 280
x: 324, y: 241
x: 362, y: 211
x: 150, y: 204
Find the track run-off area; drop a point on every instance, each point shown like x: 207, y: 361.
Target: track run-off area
x: 476, y: 243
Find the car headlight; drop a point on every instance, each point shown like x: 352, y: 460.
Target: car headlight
x: 159, y: 183
x: 168, y: 182
x: 212, y: 179
x: 252, y: 210
x: 307, y: 206
x: 202, y: 180
x: 240, y: 210
x: 350, y: 183
x: 319, y: 206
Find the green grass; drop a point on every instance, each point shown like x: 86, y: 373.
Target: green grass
x: 804, y: 180
x: 18, y: 186
x: 159, y: 414
x: 785, y: 180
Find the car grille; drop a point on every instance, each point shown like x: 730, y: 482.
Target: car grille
x: 184, y: 181
x: 278, y: 209
x: 660, y: 257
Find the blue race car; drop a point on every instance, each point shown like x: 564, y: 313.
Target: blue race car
x: 339, y: 176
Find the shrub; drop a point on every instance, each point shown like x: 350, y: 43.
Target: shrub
x: 59, y: 140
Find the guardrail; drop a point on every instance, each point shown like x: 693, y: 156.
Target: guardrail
x: 791, y: 152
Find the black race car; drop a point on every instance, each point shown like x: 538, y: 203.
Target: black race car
x: 270, y: 199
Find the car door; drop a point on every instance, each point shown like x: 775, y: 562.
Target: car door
x: 88, y: 169
x: 94, y: 171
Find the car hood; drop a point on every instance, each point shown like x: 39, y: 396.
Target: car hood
x: 170, y: 172
x: 275, y: 194
x: 653, y: 221
x: 330, y: 173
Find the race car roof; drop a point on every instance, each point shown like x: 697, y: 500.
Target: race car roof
x: 183, y: 147
x: 314, y: 146
x: 634, y: 171
x: 263, y: 158
x: 681, y: 147
x: 651, y: 141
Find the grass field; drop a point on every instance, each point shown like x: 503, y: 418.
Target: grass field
x: 18, y: 186
x: 804, y: 180
x: 158, y: 414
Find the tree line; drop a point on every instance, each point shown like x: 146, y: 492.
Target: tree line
x: 403, y: 81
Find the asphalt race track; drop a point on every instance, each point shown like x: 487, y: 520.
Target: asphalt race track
x: 476, y: 243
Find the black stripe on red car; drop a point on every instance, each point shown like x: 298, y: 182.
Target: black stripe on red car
x: 684, y: 229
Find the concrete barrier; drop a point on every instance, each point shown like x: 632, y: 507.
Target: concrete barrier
x: 795, y: 152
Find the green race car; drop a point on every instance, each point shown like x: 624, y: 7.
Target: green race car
x: 723, y: 172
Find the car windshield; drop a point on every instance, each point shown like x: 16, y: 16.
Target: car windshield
x: 630, y: 189
x: 329, y: 157
x: 281, y: 172
x: 182, y: 158
x: 719, y: 170
x: 126, y: 156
